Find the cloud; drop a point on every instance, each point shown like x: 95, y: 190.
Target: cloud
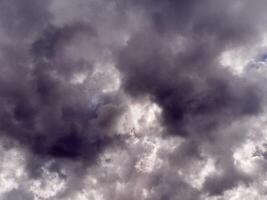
x: 132, y: 99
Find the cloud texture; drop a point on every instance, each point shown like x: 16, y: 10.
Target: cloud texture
x: 132, y: 99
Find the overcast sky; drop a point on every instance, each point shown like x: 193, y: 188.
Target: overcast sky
x: 133, y: 100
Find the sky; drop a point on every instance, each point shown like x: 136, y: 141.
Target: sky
x: 133, y: 100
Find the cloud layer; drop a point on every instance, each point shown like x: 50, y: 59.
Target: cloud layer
x: 132, y: 99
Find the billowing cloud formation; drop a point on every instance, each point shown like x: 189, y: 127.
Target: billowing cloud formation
x: 132, y: 99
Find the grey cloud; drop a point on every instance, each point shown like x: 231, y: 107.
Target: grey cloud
x: 187, y: 86
x: 41, y: 109
x: 197, y: 95
x: 23, y: 19
x: 217, y: 184
x: 167, y: 51
x: 18, y: 194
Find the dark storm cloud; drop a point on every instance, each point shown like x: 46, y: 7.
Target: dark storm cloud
x: 198, y: 97
x: 40, y: 108
x: 49, y: 114
x: 187, y: 86
x: 171, y: 55
x: 22, y: 19
x: 54, y: 38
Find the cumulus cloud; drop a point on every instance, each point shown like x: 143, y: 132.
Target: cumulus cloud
x: 132, y: 99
